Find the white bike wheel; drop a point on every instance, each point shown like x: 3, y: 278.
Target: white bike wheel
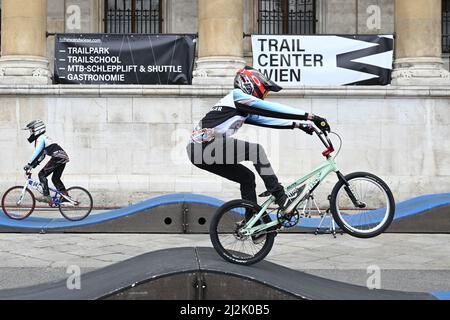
x: 375, y: 212
x: 17, y: 204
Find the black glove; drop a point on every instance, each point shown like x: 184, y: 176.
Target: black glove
x: 28, y: 167
x: 306, y: 127
x: 322, y: 124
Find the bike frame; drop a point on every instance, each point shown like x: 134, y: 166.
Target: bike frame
x: 32, y: 184
x: 320, y: 173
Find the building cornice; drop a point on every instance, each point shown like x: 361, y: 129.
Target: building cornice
x: 214, y: 90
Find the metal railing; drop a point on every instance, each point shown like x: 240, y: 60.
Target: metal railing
x: 446, y: 26
x: 133, y: 16
x: 287, y: 16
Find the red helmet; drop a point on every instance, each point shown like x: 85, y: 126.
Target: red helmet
x: 254, y: 83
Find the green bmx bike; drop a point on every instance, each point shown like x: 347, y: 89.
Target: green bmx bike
x: 361, y: 204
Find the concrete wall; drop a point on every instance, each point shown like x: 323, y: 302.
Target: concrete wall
x: 446, y: 58
x: 182, y: 16
x: 356, y: 16
x: 128, y: 143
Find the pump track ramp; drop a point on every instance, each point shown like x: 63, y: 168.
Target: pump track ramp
x: 200, y: 274
x: 191, y: 213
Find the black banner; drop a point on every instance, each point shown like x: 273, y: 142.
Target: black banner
x: 124, y: 59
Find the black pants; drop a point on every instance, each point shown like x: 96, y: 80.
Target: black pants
x: 57, y: 168
x: 223, y: 157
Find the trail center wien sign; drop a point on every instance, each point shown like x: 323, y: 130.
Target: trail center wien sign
x: 294, y: 61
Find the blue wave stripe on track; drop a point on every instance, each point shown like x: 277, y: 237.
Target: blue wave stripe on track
x: 35, y: 223
x: 404, y: 209
x: 441, y: 295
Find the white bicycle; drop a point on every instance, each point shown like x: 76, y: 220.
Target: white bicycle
x: 19, y: 202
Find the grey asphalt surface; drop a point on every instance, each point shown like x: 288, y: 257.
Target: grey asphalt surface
x: 407, y: 262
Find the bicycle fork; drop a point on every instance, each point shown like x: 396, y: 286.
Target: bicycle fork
x: 350, y: 192
x: 22, y: 195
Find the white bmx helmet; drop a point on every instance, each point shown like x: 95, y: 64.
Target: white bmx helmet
x: 37, y: 128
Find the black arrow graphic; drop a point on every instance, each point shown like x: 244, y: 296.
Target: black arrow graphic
x: 383, y: 75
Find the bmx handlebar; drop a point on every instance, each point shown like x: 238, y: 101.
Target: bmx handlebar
x: 323, y: 136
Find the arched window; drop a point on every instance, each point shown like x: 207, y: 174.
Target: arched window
x: 133, y: 16
x: 446, y: 26
x: 287, y: 16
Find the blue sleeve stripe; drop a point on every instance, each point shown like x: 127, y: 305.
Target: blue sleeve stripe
x: 270, y: 122
x: 39, y: 148
x: 248, y: 103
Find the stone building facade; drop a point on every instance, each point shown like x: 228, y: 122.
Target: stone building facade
x: 126, y: 143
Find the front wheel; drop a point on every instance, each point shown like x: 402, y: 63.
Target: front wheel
x: 228, y: 240
x: 18, y: 203
x: 78, y: 206
x: 362, y: 205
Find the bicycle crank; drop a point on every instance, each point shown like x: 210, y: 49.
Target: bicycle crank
x: 288, y: 220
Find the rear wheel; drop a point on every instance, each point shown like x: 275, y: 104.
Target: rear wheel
x: 226, y: 237
x: 365, y: 207
x: 18, y: 203
x: 79, y: 206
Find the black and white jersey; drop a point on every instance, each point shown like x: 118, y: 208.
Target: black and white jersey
x: 237, y: 108
x: 46, y: 146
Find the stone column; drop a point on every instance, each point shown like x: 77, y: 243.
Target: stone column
x: 220, y: 51
x: 24, y: 46
x: 419, y: 43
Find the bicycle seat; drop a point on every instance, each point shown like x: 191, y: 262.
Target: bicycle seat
x: 265, y: 194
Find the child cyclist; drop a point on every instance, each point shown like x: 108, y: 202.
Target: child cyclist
x: 212, y: 148
x: 44, y: 145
